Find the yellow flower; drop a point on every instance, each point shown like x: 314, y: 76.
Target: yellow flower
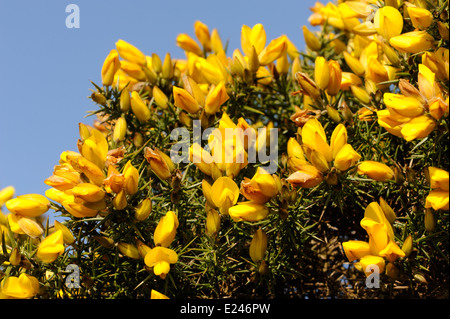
x: 160, y: 259
x: 375, y: 170
x: 346, y: 158
x: 261, y: 188
x: 421, y: 18
x: 311, y: 40
x: 367, y: 262
x: 253, y: 37
x: 22, y: 287
x: 392, y: 251
x: 110, y: 66
x: 202, y: 33
x: 160, y: 163
x: 188, y: 44
x: 407, y: 246
x: 67, y: 235
x: 248, y: 211
x: 204, y: 161
x: 139, y: 108
x: 129, y: 250
x: 356, y: 249
x: 388, y: 22
x: 160, y: 97
x: 276, y: 48
x: 306, y: 176
x: 224, y: 194
x: 166, y: 230
x: 131, y: 180
x: 143, y: 210
x: 185, y: 101
x: 354, y: 64
x: 321, y: 72
x: 24, y: 225
x: 120, y: 130
x: 95, y: 147
x: 217, y: 96
x: 308, y: 86
x: 438, y: 198
x: 334, y: 83
x: 412, y: 42
x: 51, y: 247
x: 6, y: 194
x: 29, y: 205
x: 130, y: 53
x: 88, y: 192
x: 258, y: 246
x: 157, y: 295
x: 212, y: 222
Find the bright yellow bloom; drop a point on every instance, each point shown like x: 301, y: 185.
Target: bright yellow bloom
x: 204, y: 161
x: 321, y: 72
x: 310, y: 39
x: 143, y: 210
x: 392, y: 251
x: 421, y: 18
x: 258, y: 246
x: 29, y: 205
x: 356, y: 249
x: 131, y: 181
x: 22, y: 287
x: 367, y: 262
x: 110, y: 66
x: 275, y: 49
x: 130, y: 53
x: 308, y: 86
x: 139, y: 108
x: 346, y: 158
x: 67, y: 235
x: 388, y: 22
x: 6, y: 194
x: 261, y: 188
x: 375, y: 170
x: 438, y: 198
x: 185, y: 101
x: 412, y: 42
x: 224, y: 194
x: 334, y: 83
x: 188, y: 44
x: 160, y: 97
x: 217, y: 96
x: 166, y: 230
x: 88, y: 192
x: 248, y: 211
x: 157, y: 295
x: 160, y: 163
x: 25, y: 225
x: 51, y: 247
x: 160, y: 259
x: 202, y: 33
x: 407, y: 106
x: 253, y: 37
x: 306, y: 176
x: 95, y: 148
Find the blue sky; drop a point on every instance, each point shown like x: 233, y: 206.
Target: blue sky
x: 46, y: 68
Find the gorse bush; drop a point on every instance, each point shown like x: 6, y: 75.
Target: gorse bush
x: 259, y: 172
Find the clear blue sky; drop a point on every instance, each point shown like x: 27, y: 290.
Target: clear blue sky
x: 46, y: 68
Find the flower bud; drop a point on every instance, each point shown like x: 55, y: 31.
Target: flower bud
x: 67, y: 235
x: 407, y: 246
x: 15, y: 257
x: 167, y: 68
x: 143, y: 210
x: 429, y: 220
x: 188, y: 44
x: 110, y: 66
x: 202, y: 33
x: 139, y: 108
x: 217, y: 96
x: 129, y: 250
x: 412, y: 42
x: 258, y: 246
x: 311, y: 40
x: 185, y: 101
x: 6, y: 194
x: 248, y: 211
x: 375, y: 170
x: 212, y: 223
x: 421, y: 18
x: 161, y: 99
x: 165, y: 231
x: 124, y: 100
x: 334, y: 84
x: 120, y: 130
x: 131, y: 176
x: 130, y: 53
x: 321, y: 73
x: 160, y: 163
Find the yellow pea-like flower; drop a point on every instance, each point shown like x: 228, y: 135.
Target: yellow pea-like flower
x: 88, y: 192
x: 188, y: 44
x: 392, y: 252
x: 306, y: 176
x: 160, y: 258
x: 261, y: 188
x: 143, y: 210
x: 346, y: 158
x: 29, y: 205
x: 51, y: 247
x: 253, y: 37
x: 334, y: 83
x: 355, y: 249
x: 412, y: 42
x: 6, y: 194
x: 224, y: 194
x: 129, y: 250
x: 376, y: 171
x: 368, y: 261
x: 310, y: 39
x: 160, y: 163
x: 248, y: 211
x: 131, y: 181
x: 275, y: 49
x: 22, y: 287
x: 120, y: 130
x: 388, y: 22
x: 166, y: 230
x: 202, y: 33
x: 67, y: 235
x: 130, y: 53
x: 185, y: 101
x: 421, y: 18
x: 216, y: 96
x: 160, y: 97
x: 30, y: 227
